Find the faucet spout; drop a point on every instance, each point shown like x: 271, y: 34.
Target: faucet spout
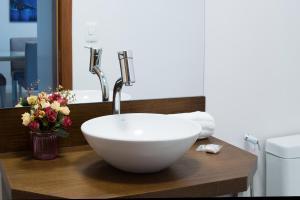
x: 103, y: 83
x: 117, y: 96
x: 95, y: 68
x: 128, y: 78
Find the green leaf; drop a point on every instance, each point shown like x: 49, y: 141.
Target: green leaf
x: 61, y: 133
x: 24, y: 102
x: 60, y: 117
x: 57, y: 125
x: 45, y: 123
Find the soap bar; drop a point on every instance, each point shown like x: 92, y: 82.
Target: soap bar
x: 209, y: 148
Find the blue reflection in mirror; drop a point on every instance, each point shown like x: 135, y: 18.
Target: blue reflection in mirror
x: 23, y: 10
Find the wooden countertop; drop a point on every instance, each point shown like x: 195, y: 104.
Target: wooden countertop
x: 80, y: 173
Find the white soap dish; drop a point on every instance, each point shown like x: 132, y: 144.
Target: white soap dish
x: 209, y: 148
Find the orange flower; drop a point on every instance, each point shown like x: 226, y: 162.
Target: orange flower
x: 41, y: 113
x: 43, y: 95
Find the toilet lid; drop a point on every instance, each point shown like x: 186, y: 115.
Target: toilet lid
x: 284, y: 147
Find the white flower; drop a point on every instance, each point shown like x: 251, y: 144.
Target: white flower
x: 36, y: 107
x: 18, y: 105
x: 65, y: 110
x: 26, y: 119
x: 45, y: 104
x: 55, y: 106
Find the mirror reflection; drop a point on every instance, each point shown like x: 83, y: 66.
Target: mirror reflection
x: 165, y: 37
x: 27, y: 50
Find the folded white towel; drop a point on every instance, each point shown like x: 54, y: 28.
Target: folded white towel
x: 203, y: 118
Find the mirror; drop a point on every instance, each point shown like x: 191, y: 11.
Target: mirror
x: 28, y: 48
x: 165, y: 36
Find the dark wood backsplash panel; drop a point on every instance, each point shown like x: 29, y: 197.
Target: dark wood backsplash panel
x: 14, y: 136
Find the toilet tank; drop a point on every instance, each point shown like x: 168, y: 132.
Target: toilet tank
x: 283, y: 166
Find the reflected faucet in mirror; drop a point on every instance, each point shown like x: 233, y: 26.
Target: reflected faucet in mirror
x: 127, y: 79
x: 95, y: 68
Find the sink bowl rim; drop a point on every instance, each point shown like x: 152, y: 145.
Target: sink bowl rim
x: 80, y: 95
x: 196, y: 132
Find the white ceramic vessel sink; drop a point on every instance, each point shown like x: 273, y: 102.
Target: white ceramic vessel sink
x: 140, y: 143
x: 93, y: 96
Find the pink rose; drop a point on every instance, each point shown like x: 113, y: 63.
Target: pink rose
x: 54, y: 97
x: 34, y: 125
x: 67, y: 122
x: 51, y: 114
x: 62, y: 101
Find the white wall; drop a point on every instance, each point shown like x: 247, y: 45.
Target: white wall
x: 11, y: 29
x: 252, y: 70
x: 166, y: 36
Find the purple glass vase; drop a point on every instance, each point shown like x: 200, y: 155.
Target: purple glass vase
x: 44, y: 145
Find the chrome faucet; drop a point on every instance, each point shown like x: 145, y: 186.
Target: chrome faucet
x: 127, y: 79
x: 95, y: 68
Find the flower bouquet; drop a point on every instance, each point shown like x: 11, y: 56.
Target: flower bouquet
x: 49, y: 117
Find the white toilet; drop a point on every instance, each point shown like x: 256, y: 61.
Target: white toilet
x: 283, y: 166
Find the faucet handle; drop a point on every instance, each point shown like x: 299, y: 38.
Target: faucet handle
x: 126, y: 67
x: 95, y: 57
